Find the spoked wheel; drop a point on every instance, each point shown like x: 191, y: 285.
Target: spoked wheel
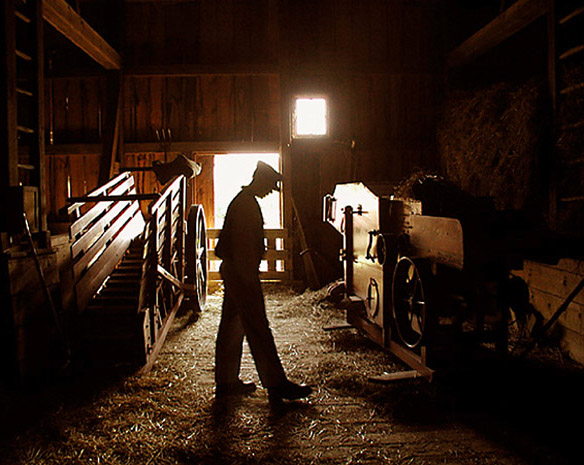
x: 409, y: 302
x: 196, y: 257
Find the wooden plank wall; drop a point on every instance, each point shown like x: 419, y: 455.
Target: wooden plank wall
x: 378, y: 63
x: 205, y: 32
x: 202, y: 108
x: 199, y: 189
x: 376, y: 60
x: 73, y: 109
x: 78, y: 170
x: 199, y: 108
x: 549, y: 286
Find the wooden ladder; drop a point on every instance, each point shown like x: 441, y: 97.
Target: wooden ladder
x: 566, y: 24
x: 22, y: 107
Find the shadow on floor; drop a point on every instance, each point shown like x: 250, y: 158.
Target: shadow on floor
x: 532, y: 407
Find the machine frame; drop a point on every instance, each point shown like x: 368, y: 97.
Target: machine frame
x: 420, y: 286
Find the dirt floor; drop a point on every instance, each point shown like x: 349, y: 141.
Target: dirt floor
x: 515, y: 412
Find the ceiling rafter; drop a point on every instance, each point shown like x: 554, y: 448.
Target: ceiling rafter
x: 69, y: 23
x: 512, y: 20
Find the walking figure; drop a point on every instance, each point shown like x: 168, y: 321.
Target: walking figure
x: 241, y: 247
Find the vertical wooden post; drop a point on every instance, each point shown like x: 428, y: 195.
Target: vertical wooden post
x: 39, y: 151
x: 348, y: 252
x: 285, y: 149
x: 180, y: 232
x: 550, y: 163
x: 8, y: 120
x: 112, y: 126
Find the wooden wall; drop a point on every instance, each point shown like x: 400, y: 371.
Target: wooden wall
x: 158, y: 112
x: 378, y: 62
x: 202, y: 31
x: 549, y: 286
x: 202, y: 108
x: 210, y: 71
x: 71, y: 174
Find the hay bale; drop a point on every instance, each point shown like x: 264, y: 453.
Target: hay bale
x: 489, y: 140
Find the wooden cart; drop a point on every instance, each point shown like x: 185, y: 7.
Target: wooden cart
x: 133, y: 271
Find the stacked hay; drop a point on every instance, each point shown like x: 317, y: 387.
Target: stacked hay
x: 570, y: 139
x: 490, y: 140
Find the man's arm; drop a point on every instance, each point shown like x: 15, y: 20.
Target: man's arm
x: 247, y: 241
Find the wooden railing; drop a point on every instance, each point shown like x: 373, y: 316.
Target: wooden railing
x: 102, y: 234
x: 161, y: 289
x: 276, y: 265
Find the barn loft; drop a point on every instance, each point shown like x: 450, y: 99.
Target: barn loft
x: 426, y: 242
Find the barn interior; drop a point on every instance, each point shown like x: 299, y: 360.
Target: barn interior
x: 128, y: 126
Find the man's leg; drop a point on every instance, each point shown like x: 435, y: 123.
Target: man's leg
x: 260, y: 337
x: 243, y: 296
x: 252, y: 311
x: 229, y: 341
x: 261, y: 341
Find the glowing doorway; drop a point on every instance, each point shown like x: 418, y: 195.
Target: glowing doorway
x: 234, y: 170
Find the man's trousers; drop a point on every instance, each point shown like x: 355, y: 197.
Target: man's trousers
x: 244, y: 314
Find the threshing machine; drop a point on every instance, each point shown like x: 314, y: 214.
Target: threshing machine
x: 428, y: 278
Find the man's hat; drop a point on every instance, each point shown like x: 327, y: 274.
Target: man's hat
x: 265, y: 172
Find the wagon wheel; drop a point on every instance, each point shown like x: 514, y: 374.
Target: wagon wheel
x: 409, y: 302
x: 196, y: 257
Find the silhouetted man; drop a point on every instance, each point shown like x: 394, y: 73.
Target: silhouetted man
x: 241, y: 247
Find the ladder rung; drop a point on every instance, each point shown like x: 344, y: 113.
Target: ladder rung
x: 568, y: 17
x: 22, y: 166
x: 577, y: 125
x: 24, y: 92
x: 22, y: 17
x: 572, y: 51
x: 25, y: 129
x: 576, y: 198
x: 23, y: 55
x: 575, y: 161
x: 572, y: 88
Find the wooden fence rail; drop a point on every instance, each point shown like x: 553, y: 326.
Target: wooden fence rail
x: 277, y: 263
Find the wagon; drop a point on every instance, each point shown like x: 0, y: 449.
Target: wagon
x: 133, y: 271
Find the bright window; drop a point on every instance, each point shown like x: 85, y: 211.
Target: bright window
x: 310, y: 117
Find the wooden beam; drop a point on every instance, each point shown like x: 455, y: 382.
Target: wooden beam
x: 68, y: 22
x: 200, y: 147
x: 203, y: 147
x: 508, y: 23
x: 548, y: 158
x: 39, y: 89
x: 200, y: 70
x: 111, y: 137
